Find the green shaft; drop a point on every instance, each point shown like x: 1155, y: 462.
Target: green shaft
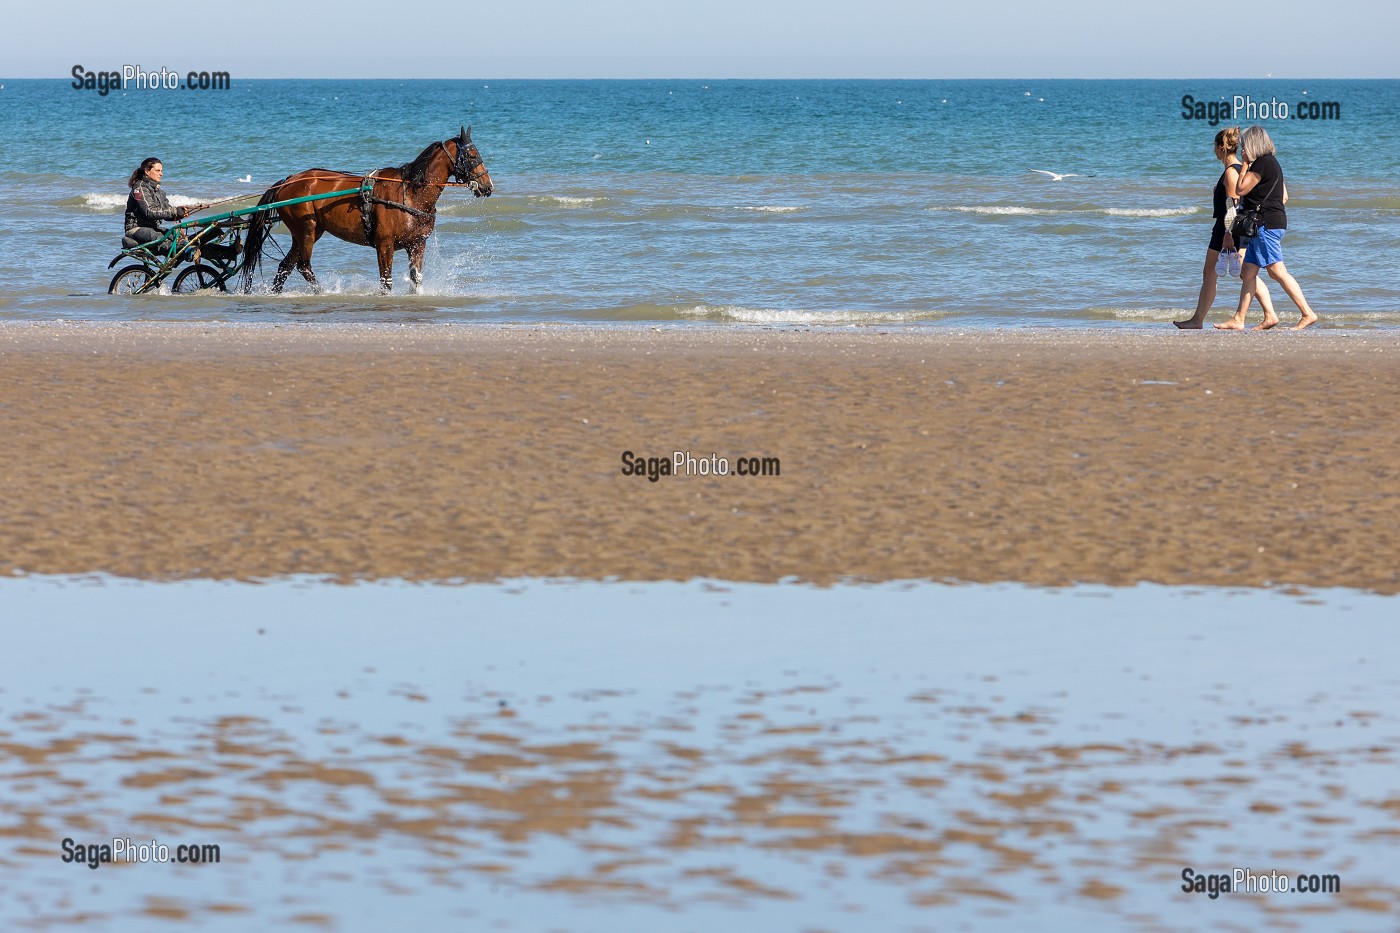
x: 244, y: 211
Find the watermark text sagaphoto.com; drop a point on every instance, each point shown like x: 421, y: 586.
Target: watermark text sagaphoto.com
x: 1242, y: 107
x: 134, y: 77
x: 121, y: 850
x: 684, y: 463
x: 1246, y: 881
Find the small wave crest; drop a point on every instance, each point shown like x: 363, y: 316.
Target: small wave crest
x: 1021, y: 211
x: 556, y: 200
x: 998, y: 209
x: 1151, y: 211
x: 97, y: 201
x: 773, y: 209
x: 522, y: 206
x: 1136, y: 314
x: 566, y: 200
x: 741, y: 315
x: 106, y: 203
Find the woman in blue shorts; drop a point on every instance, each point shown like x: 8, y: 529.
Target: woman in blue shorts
x: 1223, y: 209
x: 1261, y: 186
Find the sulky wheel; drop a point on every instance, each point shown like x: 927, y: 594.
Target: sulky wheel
x: 197, y: 278
x: 129, y: 281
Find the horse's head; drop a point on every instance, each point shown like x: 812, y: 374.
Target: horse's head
x: 467, y: 166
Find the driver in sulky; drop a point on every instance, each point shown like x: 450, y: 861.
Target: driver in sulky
x: 147, y: 207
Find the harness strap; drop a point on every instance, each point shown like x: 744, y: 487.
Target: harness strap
x: 368, y: 199
x: 367, y: 212
x: 403, y: 207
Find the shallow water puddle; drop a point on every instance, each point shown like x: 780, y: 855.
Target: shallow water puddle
x: 538, y: 756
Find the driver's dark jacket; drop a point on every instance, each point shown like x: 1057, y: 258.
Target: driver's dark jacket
x: 147, y: 206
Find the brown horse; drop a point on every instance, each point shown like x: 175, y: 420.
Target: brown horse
x: 398, y: 212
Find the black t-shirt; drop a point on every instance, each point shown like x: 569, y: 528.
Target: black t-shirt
x: 1219, y: 195
x: 1267, y: 196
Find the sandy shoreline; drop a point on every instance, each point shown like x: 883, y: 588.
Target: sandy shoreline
x: 454, y: 452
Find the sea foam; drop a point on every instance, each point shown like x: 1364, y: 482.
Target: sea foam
x: 104, y: 202
x: 844, y: 318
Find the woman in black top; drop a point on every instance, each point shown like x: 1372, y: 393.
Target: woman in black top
x: 1261, y: 186
x: 147, y: 207
x: 1224, y: 197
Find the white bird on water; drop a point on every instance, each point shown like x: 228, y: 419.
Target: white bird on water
x: 1055, y: 175
x: 246, y: 178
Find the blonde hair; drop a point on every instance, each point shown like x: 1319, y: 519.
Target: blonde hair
x: 1255, y: 142
x: 1228, y: 139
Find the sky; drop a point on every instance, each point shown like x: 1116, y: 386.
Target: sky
x: 708, y: 39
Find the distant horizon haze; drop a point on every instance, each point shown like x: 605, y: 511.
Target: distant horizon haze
x: 724, y: 39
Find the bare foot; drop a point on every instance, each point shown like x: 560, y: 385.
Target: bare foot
x: 1309, y: 320
x: 1231, y: 324
x: 1192, y: 324
x: 1268, y: 323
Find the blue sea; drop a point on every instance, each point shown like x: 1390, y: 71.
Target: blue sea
x: 830, y: 203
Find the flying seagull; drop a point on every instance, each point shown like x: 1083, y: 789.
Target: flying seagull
x: 1055, y: 175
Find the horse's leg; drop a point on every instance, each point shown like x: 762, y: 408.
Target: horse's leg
x: 305, y: 239
x: 284, y: 269
x: 385, y: 251
x: 415, y: 265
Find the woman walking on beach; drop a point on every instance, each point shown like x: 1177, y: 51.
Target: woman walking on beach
x: 1261, y: 186
x: 1225, y: 196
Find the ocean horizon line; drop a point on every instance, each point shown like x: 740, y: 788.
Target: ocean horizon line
x: 737, y: 78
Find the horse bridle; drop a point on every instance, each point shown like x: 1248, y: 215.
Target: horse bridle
x: 467, y: 162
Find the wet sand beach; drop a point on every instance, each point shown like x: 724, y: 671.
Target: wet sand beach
x: 167, y: 451
x: 588, y: 756
x: 624, y: 750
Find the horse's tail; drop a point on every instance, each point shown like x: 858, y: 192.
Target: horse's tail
x: 257, y: 236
